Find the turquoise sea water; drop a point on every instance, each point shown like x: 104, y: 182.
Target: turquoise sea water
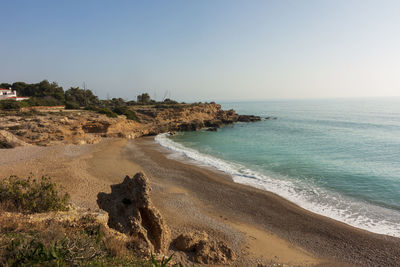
x: 339, y: 158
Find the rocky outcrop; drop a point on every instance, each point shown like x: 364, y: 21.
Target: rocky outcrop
x: 131, y: 212
x: 212, y: 129
x: 248, y: 118
x: 8, y: 140
x: 203, y: 248
x: 96, y: 126
x: 88, y: 127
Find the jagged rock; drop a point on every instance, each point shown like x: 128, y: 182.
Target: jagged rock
x: 96, y: 127
x: 131, y: 212
x: 248, y: 118
x: 213, y: 123
x: 204, y: 249
x: 8, y: 140
x: 191, y: 126
x: 212, y: 129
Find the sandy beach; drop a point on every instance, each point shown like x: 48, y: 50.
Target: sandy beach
x: 261, y: 227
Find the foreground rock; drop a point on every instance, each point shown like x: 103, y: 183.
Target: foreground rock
x: 131, y: 212
x: 203, y: 249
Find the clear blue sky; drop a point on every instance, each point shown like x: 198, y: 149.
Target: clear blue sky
x: 206, y: 49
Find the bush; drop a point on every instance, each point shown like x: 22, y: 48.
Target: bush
x: 31, y: 195
x: 108, y: 112
x: 169, y: 101
x: 20, y: 252
x: 9, y: 104
x: 92, y: 108
x: 130, y: 114
x: 72, y: 105
x: 43, y: 101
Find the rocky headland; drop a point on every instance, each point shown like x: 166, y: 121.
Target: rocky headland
x: 59, y: 126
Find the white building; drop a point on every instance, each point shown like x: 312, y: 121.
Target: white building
x: 9, y: 94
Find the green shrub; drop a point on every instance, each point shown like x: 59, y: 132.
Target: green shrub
x: 20, y: 252
x: 169, y: 101
x: 71, y: 105
x: 43, y: 101
x: 9, y: 104
x: 108, y: 112
x: 92, y: 107
x: 31, y: 195
x: 130, y: 114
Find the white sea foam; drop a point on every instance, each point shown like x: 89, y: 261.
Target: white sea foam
x: 351, y: 211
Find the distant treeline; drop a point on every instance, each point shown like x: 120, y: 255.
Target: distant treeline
x: 45, y: 93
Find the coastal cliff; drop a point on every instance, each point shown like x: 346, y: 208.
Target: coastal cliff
x: 88, y: 127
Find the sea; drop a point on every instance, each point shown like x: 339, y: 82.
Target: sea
x: 336, y: 157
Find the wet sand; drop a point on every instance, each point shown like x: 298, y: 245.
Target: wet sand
x: 260, y: 226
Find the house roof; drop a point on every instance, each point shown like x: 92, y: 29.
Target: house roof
x: 2, y: 89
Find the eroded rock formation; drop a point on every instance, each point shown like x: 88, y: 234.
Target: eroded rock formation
x: 130, y: 211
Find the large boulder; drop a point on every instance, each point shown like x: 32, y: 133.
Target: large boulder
x: 131, y: 212
x: 203, y: 248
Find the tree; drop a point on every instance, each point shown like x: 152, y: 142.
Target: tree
x: 143, y: 98
x: 9, y: 104
x: 39, y: 90
x: 20, y: 87
x: 170, y: 101
x: 50, y: 89
x: 5, y: 85
x: 81, y: 97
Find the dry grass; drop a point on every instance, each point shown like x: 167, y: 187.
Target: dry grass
x: 116, y: 247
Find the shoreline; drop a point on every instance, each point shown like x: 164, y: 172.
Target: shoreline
x: 262, y: 227
x: 321, y: 236
x: 254, y: 179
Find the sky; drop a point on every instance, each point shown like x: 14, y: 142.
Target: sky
x: 205, y: 50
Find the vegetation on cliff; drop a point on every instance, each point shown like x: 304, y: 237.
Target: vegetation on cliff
x: 45, y: 93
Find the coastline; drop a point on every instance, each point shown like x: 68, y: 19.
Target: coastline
x: 286, y: 189
x: 262, y: 227
x: 325, y: 238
